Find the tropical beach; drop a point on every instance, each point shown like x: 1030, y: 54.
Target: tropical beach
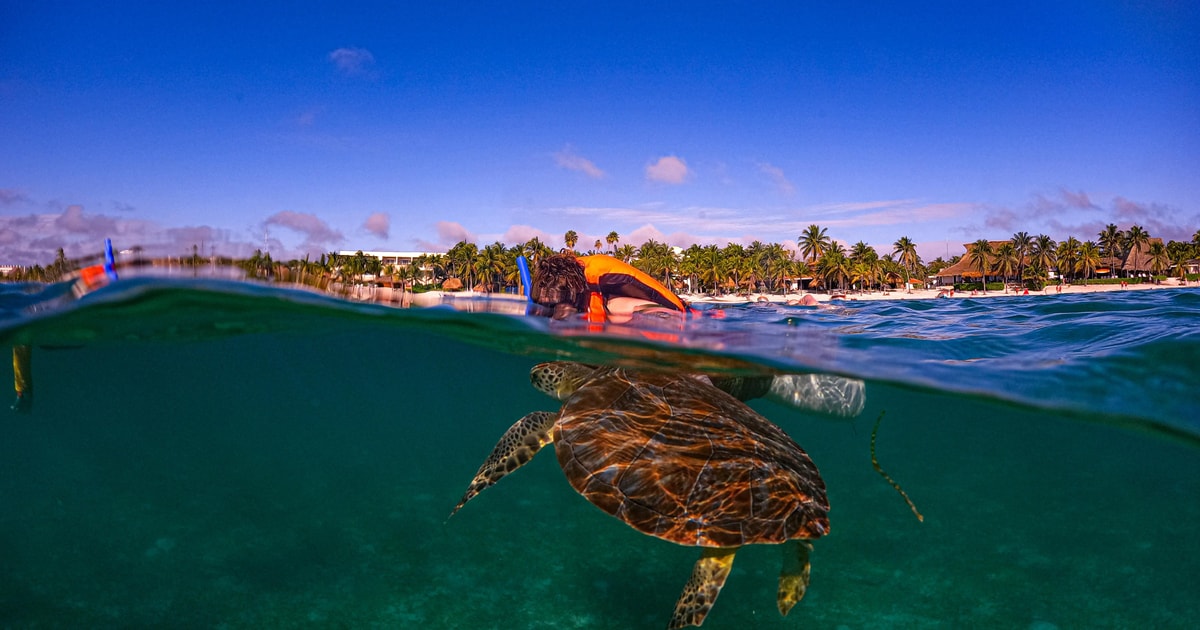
x: 285, y: 288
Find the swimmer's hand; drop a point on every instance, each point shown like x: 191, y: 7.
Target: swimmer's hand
x: 563, y: 311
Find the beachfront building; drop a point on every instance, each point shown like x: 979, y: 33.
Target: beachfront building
x: 394, y: 260
x: 1190, y: 267
x: 965, y: 269
x: 1138, y: 262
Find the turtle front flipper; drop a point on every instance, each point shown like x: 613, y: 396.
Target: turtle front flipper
x: 793, y: 579
x: 517, y: 446
x: 823, y: 393
x: 701, y: 590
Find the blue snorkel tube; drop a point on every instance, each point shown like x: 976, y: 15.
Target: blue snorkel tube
x: 110, y: 261
x: 526, y: 281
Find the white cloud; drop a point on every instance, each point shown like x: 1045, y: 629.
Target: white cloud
x: 9, y: 197
x: 378, y: 224
x: 907, y: 214
x: 777, y: 177
x: 668, y: 170
x: 34, y: 238
x: 74, y: 221
x: 352, y: 61
x: 645, y: 233
x: 568, y: 159
x: 450, y: 232
x: 517, y: 234
x: 318, y: 236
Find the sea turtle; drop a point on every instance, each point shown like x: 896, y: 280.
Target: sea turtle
x: 676, y: 458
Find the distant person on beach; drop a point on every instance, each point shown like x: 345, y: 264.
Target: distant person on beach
x: 600, y: 287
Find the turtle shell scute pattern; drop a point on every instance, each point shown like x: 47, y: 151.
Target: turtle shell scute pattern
x: 679, y: 459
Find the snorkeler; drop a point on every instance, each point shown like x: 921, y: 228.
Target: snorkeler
x: 600, y: 287
x: 87, y: 280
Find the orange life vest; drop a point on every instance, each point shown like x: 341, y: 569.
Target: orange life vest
x: 608, y: 278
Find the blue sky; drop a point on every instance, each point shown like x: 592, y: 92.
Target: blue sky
x: 308, y: 128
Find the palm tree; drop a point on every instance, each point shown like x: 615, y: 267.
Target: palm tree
x: 862, y: 251
x: 1159, y: 260
x: 60, y: 267
x: 892, y: 272
x: 512, y: 273
x: 534, y: 250
x: 754, y: 256
x: 689, y: 266
x: 1068, y: 255
x: 865, y: 264
x: 332, y: 264
x: 906, y: 249
x: 814, y: 242
x: 461, y: 261
x: 1135, y: 240
x: 260, y: 264
x: 1110, y: 243
x: 834, y: 265
x: 1035, y: 273
x: 980, y: 257
x: 704, y: 265
x: 489, y: 265
x: 570, y: 238
x: 1180, y: 253
x: 1007, y: 261
x: 1044, y: 249
x: 625, y: 252
x: 737, y: 263
x: 775, y: 260
x: 1022, y: 244
x: 1089, y: 259
x: 612, y: 239
x: 656, y: 259
x: 861, y: 274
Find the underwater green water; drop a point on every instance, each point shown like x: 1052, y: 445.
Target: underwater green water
x: 297, y: 470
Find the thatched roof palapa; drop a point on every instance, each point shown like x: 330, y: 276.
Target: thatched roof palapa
x: 1139, y: 259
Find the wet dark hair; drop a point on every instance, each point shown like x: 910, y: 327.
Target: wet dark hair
x: 559, y: 280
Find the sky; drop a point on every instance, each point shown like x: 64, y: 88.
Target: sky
x: 303, y: 128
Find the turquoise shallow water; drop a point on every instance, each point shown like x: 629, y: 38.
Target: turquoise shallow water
x: 212, y: 454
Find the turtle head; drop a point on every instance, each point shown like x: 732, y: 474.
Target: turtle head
x: 559, y: 379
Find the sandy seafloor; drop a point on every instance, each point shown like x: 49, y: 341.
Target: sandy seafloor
x: 303, y: 478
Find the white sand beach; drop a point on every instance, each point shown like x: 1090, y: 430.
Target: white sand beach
x: 929, y: 294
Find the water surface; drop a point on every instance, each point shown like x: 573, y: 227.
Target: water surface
x: 217, y: 454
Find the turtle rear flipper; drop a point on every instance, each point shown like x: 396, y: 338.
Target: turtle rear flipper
x: 793, y: 579
x: 517, y: 446
x: 701, y: 590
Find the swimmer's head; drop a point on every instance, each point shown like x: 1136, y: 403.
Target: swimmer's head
x: 560, y: 284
